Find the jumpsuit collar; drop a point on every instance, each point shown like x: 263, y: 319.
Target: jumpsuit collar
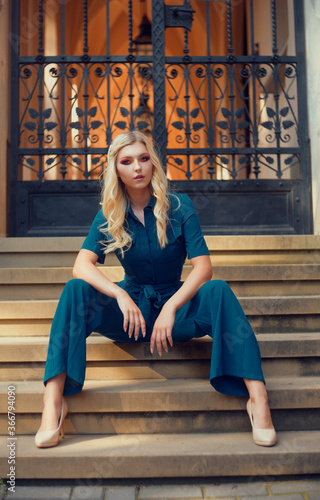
x: 151, y: 204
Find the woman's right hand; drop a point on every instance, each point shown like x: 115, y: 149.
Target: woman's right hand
x: 85, y: 268
x: 132, y: 316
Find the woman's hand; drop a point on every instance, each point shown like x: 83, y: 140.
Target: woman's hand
x: 162, y: 330
x: 132, y: 316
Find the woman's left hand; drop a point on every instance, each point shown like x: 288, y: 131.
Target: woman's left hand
x: 162, y: 330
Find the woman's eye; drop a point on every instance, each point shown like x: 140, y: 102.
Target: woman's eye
x: 145, y: 158
x: 125, y: 162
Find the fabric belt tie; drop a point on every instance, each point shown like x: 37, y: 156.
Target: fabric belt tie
x: 152, y: 296
x: 148, y: 296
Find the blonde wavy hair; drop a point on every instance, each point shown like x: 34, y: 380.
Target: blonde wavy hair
x: 115, y: 200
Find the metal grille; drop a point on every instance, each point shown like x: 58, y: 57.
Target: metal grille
x: 234, y: 113
x: 70, y: 106
x: 229, y: 114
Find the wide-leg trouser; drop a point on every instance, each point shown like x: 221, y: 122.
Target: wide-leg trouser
x: 213, y: 311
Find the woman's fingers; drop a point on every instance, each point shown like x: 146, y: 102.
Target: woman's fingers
x: 135, y: 322
x: 143, y: 325
x: 133, y: 319
x: 169, y: 337
x: 125, y: 320
x: 164, y: 340
x: 162, y: 330
x: 158, y: 344
x: 160, y: 339
x: 152, y: 342
x: 131, y: 323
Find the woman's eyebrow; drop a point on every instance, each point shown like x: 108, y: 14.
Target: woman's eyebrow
x: 130, y: 156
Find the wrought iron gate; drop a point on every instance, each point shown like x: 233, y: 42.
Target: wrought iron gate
x: 230, y: 123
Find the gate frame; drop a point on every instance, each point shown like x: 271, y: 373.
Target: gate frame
x: 296, y: 199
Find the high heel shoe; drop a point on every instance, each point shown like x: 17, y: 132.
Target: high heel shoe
x: 45, y: 439
x: 261, y: 437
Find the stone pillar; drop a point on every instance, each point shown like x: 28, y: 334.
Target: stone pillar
x: 4, y: 110
x: 312, y: 31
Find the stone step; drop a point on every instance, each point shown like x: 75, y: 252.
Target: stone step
x: 121, y: 370
x: 282, y: 324
x: 159, y: 417
x: 260, y: 280
x: 103, y: 396
x: 281, y: 249
x: 237, y: 273
x: 282, y: 355
x: 13, y: 310
x: 165, y: 455
x: 178, y: 405
x: 42, y: 252
x: 99, y: 348
x: 297, y: 419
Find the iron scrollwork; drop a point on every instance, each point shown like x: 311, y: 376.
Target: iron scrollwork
x: 230, y: 115
x: 40, y: 124
x: 277, y: 123
x: 188, y: 125
x: 85, y: 124
x: 238, y: 133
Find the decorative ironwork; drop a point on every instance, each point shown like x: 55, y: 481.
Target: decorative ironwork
x: 226, y: 107
x: 179, y: 16
x: 159, y: 128
x: 232, y: 115
x: 231, y: 129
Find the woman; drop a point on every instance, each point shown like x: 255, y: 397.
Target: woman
x: 151, y: 231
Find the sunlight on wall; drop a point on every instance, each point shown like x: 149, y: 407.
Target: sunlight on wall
x: 312, y: 22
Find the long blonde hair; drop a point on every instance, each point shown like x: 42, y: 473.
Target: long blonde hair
x: 115, y: 201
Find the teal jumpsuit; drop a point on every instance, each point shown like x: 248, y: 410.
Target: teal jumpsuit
x: 152, y: 276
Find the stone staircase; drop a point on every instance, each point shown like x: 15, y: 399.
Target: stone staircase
x: 144, y: 416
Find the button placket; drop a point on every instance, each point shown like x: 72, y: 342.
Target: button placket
x: 149, y: 221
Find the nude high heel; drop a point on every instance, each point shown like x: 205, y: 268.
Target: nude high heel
x: 46, y: 439
x: 261, y: 437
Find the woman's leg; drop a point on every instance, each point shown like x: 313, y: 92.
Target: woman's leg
x: 263, y: 432
x: 235, y: 354
x: 259, y: 404
x: 235, y: 358
x: 52, y: 401
x: 81, y: 310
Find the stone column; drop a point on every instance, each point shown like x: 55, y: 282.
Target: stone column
x: 4, y: 110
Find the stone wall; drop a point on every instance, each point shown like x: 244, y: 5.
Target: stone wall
x: 312, y: 23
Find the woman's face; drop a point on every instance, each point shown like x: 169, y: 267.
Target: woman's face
x: 134, y: 166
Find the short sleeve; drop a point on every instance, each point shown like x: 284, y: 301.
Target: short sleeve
x: 193, y: 236
x: 95, y: 236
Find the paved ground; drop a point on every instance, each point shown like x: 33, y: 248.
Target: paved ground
x: 225, y: 489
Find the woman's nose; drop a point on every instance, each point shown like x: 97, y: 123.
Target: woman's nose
x: 137, y: 164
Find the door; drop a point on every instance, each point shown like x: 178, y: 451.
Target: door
x: 220, y: 86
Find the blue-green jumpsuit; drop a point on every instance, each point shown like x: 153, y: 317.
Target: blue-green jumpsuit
x: 152, y: 276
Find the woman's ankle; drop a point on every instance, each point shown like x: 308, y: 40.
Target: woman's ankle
x: 259, y: 399
x: 52, y: 401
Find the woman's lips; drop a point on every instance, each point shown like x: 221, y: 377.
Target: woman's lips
x: 139, y: 178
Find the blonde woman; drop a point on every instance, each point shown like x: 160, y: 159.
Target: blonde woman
x: 151, y: 231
